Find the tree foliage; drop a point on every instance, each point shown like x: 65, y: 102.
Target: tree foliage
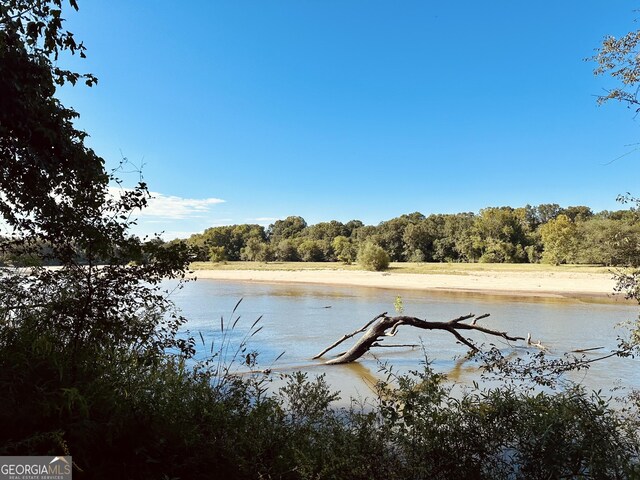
x: 232, y: 239
x: 344, y: 249
x: 618, y: 57
x: 494, y: 235
x: 50, y: 182
x: 500, y: 235
x: 373, y: 257
x: 290, y: 227
x: 65, y: 333
x: 559, y: 238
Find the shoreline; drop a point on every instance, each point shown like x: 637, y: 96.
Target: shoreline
x: 559, y: 285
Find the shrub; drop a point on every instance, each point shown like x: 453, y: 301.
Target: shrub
x: 373, y: 257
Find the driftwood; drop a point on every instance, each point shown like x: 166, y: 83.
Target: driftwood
x: 385, y: 326
x: 537, y: 343
x: 541, y: 346
x: 584, y: 350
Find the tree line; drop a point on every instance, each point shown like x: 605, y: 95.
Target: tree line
x: 544, y: 233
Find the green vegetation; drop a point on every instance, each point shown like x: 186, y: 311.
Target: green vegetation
x: 94, y: 364
x: 373, y: 257
x: 559, y: 238
x: 546, y: 233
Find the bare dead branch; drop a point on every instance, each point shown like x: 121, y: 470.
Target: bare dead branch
x: 463, y: 317
x: 537, y: 343
x: 604, y: 357
x: 348, y: 336
x: 384, y: 326
x: 395, y: 345
x: 463, y: 340
x: 394, y: 329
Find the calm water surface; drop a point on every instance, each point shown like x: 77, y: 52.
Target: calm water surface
x: 301, y: 320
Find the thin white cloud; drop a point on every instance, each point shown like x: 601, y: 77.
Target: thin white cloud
x: 171, y: 235
x: 172, y: 207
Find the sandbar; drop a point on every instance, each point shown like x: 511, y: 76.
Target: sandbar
x: 560, y: 284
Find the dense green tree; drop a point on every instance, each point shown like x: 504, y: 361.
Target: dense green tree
x: 326, y: 230
x: 289, y: 228
x: 199, y: 247
x: 217, y: 254
x: 52, y: 185
x: 456, y: 240
x: 286, y: 251
x: 215, y: 237
x: 257, y: 250
x: 577, y: 214
x: 390, y: 235
x: 54, y: 190
x: 326, y: 247
x: 535, y: 248
x: 232, y: 238
x: 311, y: 251
x: 500, y: 235
x: 242, y: 234
x: 630, y: 216
x: 352, y: 226
x: 608, y: 242
x: 418, y: 239
x: 547, y: 212
x: 344, y: 249
x: 531, y: 217
x: 559, y: 240
x: 363, y: 233
x: 41, y: 152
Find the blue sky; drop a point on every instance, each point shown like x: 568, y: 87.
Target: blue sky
x: 249, y: 111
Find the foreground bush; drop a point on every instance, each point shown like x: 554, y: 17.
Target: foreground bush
x: 125, y: 416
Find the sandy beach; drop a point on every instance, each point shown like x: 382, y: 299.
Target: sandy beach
x: 529, y: 284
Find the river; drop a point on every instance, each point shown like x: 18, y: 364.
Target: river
x: 301, y: 320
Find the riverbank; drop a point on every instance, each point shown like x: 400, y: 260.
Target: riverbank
x: 595, y: 283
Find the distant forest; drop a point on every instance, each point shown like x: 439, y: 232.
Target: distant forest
x: 544, y: 233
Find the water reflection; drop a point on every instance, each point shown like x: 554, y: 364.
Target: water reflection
x: 302, y: 320
x: 461, y: 369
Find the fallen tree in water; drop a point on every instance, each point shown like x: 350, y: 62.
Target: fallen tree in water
x: 384, y: 326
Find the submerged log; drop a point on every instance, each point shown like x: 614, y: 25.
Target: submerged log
x: 384, y: 326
